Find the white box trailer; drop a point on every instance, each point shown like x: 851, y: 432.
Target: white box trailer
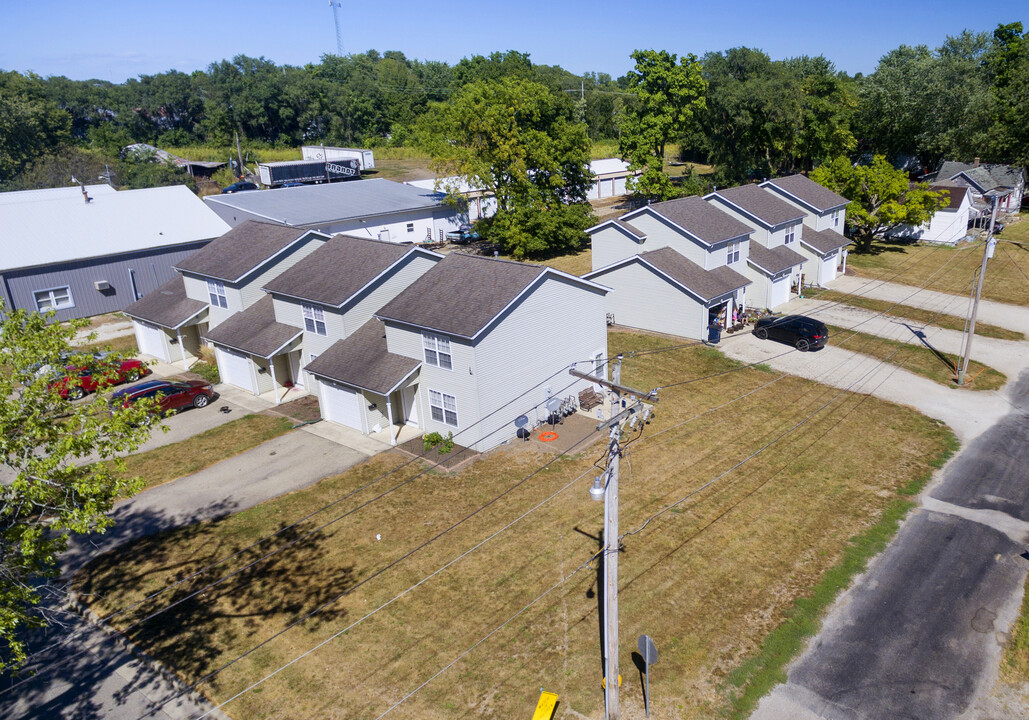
x: 274, y: 174
x: 325, y: 152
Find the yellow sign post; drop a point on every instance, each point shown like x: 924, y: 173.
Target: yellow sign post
x: 545, y: 706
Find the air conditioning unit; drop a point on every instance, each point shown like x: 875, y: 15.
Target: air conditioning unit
x: 102, y: 285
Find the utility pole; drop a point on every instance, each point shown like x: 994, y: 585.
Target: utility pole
x: 987, y: 254
x: 609, y: 492
x: 239, y: 154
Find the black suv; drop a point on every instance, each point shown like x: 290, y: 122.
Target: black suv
x: 802, y: 332
x: 238, y: 187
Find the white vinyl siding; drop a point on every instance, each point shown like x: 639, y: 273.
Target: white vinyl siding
x: 361, y: 308
x: 250, y: 289
x: 314, y: 319
x: 197, y: 289
x: 437, y: 351
x: 53, y: 299
x: 641, y: 298
x: 660, y: 234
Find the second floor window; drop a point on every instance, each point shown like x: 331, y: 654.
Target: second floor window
x: 733, y: 254
x: 836, y: 218
x: 217, y: 292
x: 791, y: 234
x: 314, y: 319
x: 437, y: 351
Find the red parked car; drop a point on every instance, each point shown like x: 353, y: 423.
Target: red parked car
x: 171, y: 395
x: 90, y: 378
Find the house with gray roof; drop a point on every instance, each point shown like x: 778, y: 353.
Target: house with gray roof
x: 213, y: 284
x: 673, y: 267
x: 307, y: 308
x: 986, y: 181
x: 88, y: 250
x: 467, y: 348
x: 778, y: 228
x: 376, y: 208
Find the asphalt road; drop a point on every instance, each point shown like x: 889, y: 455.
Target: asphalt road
x: 920, y: 634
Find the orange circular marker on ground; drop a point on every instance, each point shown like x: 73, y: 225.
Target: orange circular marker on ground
x: 548, y: 436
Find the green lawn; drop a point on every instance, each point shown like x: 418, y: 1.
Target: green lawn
x: 710, y: 579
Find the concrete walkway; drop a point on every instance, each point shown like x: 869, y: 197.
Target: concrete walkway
x: 109, y: 681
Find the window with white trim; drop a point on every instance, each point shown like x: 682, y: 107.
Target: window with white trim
x: 836, y: 217
x: 53, y: 299
x: 791, y: 234
x: 314, y: 319
x: 216, y: 290
x: 437, y: 351
x: 733, y: 254
x: 443, y: 407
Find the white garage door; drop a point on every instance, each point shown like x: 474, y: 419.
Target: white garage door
x: 828, y: 271
x: 151, y: 341
x: 340, y: 405
x: 779, y: 292
x: 234, y: 368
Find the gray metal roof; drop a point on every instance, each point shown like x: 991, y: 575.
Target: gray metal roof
x: 773, y: 260
x: 707, y: 284
x: 461, y: 294
x: 823, y: 240
x: 166, y: 306
x: 254, y: 330
x: 319, y: 204
x: 808, y: 192
x: 698, y: 218
x: 338, y: 269
x: 760, y: 204
x: 241, y: 250
x: 361, y: 360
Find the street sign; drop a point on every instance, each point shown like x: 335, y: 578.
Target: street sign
x: 647, y: 649
x: 545, y: 706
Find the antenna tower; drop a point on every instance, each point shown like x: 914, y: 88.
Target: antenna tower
x: 336, y: 5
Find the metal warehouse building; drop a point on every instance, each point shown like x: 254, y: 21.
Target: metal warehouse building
x: 92, y: 250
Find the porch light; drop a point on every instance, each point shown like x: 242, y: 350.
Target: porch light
x: 597, y: 491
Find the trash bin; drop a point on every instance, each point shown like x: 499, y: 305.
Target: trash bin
x: 714, y: 333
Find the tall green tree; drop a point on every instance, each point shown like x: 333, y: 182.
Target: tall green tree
x: 30, y: 125
x: 668, y: 91
x: 881, y: 197
x: 61, y: 460
x: 1009, y: 63
x: 514, y: 139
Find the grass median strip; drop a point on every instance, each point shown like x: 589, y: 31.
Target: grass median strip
x: 171, y: 462
x: 919, y: 315
x: 709, y: 580
x: 933, y: 364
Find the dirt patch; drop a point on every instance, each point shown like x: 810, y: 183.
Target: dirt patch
x: 301, y: 410
x: 574, y: 434
x: 449, y: 461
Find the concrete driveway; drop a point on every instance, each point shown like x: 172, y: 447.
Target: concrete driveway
x: 104, y: 679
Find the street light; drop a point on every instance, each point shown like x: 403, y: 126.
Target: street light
x: 597, y: 491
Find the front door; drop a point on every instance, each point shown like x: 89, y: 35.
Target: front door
x: 409, y: 397
x: 295, y: 371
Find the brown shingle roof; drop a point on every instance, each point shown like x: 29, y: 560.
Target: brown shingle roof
x: 361, y: 360
x: 240, y: 250
x: 166, y: 306
x: 254, y: 330
x: 774, y: 260
x: 701, y: 219
x: 761, y: 203
x: 633, y: 230
x: 823, y: 240
x: 953, y: 196
x: 338, y: 269
x: 461, y: 294
x: 808, y: 192
x: 707, y: 284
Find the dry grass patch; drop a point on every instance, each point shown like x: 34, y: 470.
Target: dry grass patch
x: 919, y: 315
x: 170, y: 462
x: 709, y: 579
x: 577, y: 264
x: 1007, y: 275
x: 933, y: 364
x: 122, y: 345
x: 1015, y: 667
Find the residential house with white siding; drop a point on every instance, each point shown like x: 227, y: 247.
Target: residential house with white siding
x: 467, y: 348
x: 213, y: 284
x: 674, y: 267
x: 321, y: 300
x: 949, y: 224
x: 825, y: 213
x: 986, y: 181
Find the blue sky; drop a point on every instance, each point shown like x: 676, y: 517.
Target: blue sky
x: 114, y: 39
